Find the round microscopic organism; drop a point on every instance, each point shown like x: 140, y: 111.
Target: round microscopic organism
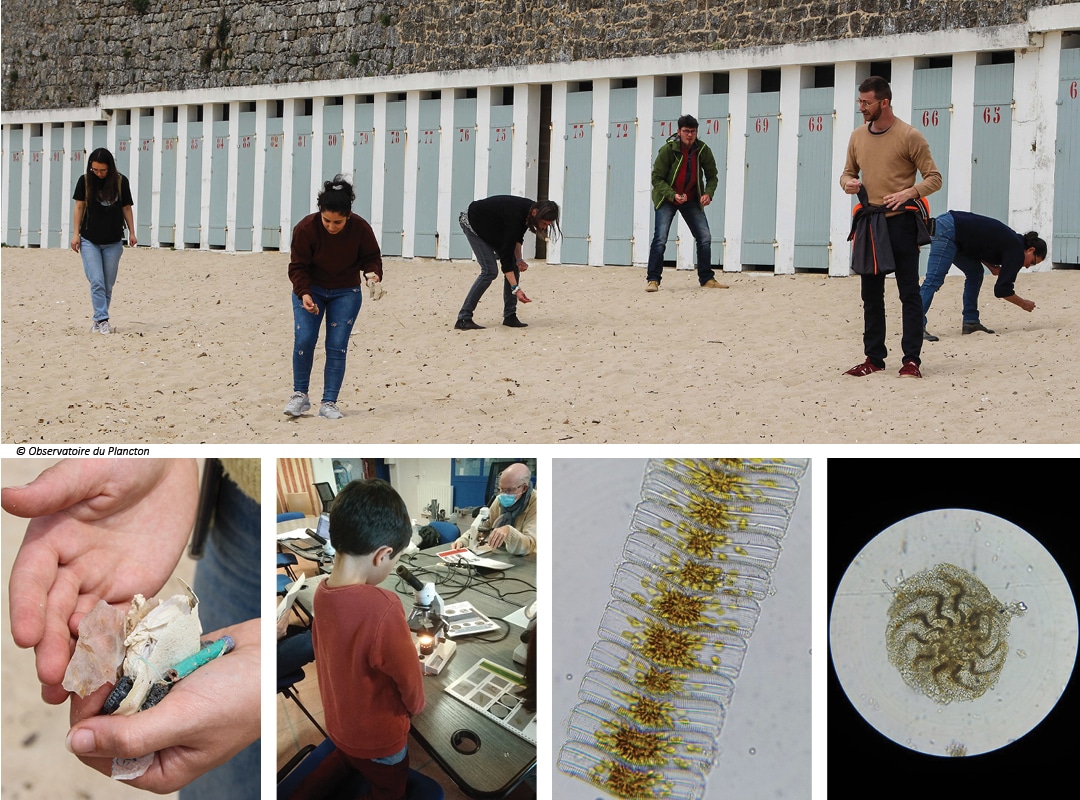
x: 947, y: 634
x: 926, y: 632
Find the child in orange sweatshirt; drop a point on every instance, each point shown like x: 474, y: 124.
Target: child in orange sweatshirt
x: 369, y: 673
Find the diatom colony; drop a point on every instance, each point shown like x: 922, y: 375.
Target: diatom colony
x: 947, y: 634
x: 698, y: 561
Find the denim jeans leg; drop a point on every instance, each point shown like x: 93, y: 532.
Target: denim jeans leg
x: 227, y: 583
x: 342, y: 308
x: 489, y: 271
x: 110, y: 267
x: 305, y: 337
x: 294, y: 651
x: 695, y: 218
x: 973, y: 279
x: 942, y: 254
x: 661, y: 227
x: 101, y: 264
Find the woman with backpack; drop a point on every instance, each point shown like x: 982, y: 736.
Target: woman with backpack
x: 102, y: 212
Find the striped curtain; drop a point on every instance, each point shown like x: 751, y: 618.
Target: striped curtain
x: 295, y: 475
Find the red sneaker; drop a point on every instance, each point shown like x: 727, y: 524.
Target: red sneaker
x: 910, y: 370
x: 864, y: 369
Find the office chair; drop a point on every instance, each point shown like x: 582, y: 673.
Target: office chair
x: 286, y: 685
x: 287, y: 561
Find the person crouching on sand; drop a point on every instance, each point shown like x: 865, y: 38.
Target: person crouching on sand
x: 332, y: 250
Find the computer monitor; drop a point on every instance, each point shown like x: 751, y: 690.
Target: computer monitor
x: 326, y: 494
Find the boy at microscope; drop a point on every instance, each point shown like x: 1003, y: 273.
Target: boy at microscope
x: 369, y: 673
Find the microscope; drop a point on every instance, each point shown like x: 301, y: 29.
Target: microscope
x: 427, y: 621
x: 483, y: 530
x: 521, y: 652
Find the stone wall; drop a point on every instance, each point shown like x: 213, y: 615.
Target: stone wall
x: 67, y: 54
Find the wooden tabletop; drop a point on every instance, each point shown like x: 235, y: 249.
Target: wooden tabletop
x: 503, y: 758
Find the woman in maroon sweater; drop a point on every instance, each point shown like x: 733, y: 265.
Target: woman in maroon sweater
x: 332, y: 250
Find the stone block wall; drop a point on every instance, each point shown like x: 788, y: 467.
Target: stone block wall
x: 67, y: 54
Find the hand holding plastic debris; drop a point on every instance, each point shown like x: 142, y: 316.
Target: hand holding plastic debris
x: 204, y: 721
x: 157, y: 642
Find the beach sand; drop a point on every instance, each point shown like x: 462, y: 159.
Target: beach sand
x: 202, y: 353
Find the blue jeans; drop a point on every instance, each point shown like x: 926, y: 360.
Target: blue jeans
x: 340, y: 308
x: 228, y: 587
x: 101, y: 263
x: 396, y: 758
x: 694, y: 215
x: 944, y: 252
x: 489, y: 271
x: 294, y: 651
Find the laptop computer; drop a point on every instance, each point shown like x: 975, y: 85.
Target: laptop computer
x: 321, y: 534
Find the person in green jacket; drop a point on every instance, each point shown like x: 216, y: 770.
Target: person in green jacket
x: 684, y: 179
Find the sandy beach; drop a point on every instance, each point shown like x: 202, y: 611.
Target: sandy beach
x: 202, y: 349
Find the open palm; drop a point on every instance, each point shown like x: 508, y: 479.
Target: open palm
x: 101, y: 529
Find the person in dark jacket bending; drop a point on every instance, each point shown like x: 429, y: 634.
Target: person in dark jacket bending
x: 970, y: 241
x: 495, y: 228
x: 684, y: 178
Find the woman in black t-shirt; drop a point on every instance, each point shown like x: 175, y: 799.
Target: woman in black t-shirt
x: 102, y: 211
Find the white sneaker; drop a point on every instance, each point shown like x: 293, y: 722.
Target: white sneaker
x: 297, y: 404
x: 95, y: 328
x: 103, y: 327
x: 330, y: 411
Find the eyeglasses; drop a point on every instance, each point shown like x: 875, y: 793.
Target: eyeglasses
x: 863, y: 104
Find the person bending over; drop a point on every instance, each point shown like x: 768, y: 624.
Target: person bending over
x: 332, y: 251
x: 971, y: 241
x: 495, y: 228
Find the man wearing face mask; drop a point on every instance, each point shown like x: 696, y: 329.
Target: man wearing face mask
x: 511, y: 523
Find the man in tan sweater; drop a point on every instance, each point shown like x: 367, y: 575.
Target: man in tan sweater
x: 886, y: 152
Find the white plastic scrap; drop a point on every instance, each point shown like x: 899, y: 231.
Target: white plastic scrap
x: 160, y: 634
